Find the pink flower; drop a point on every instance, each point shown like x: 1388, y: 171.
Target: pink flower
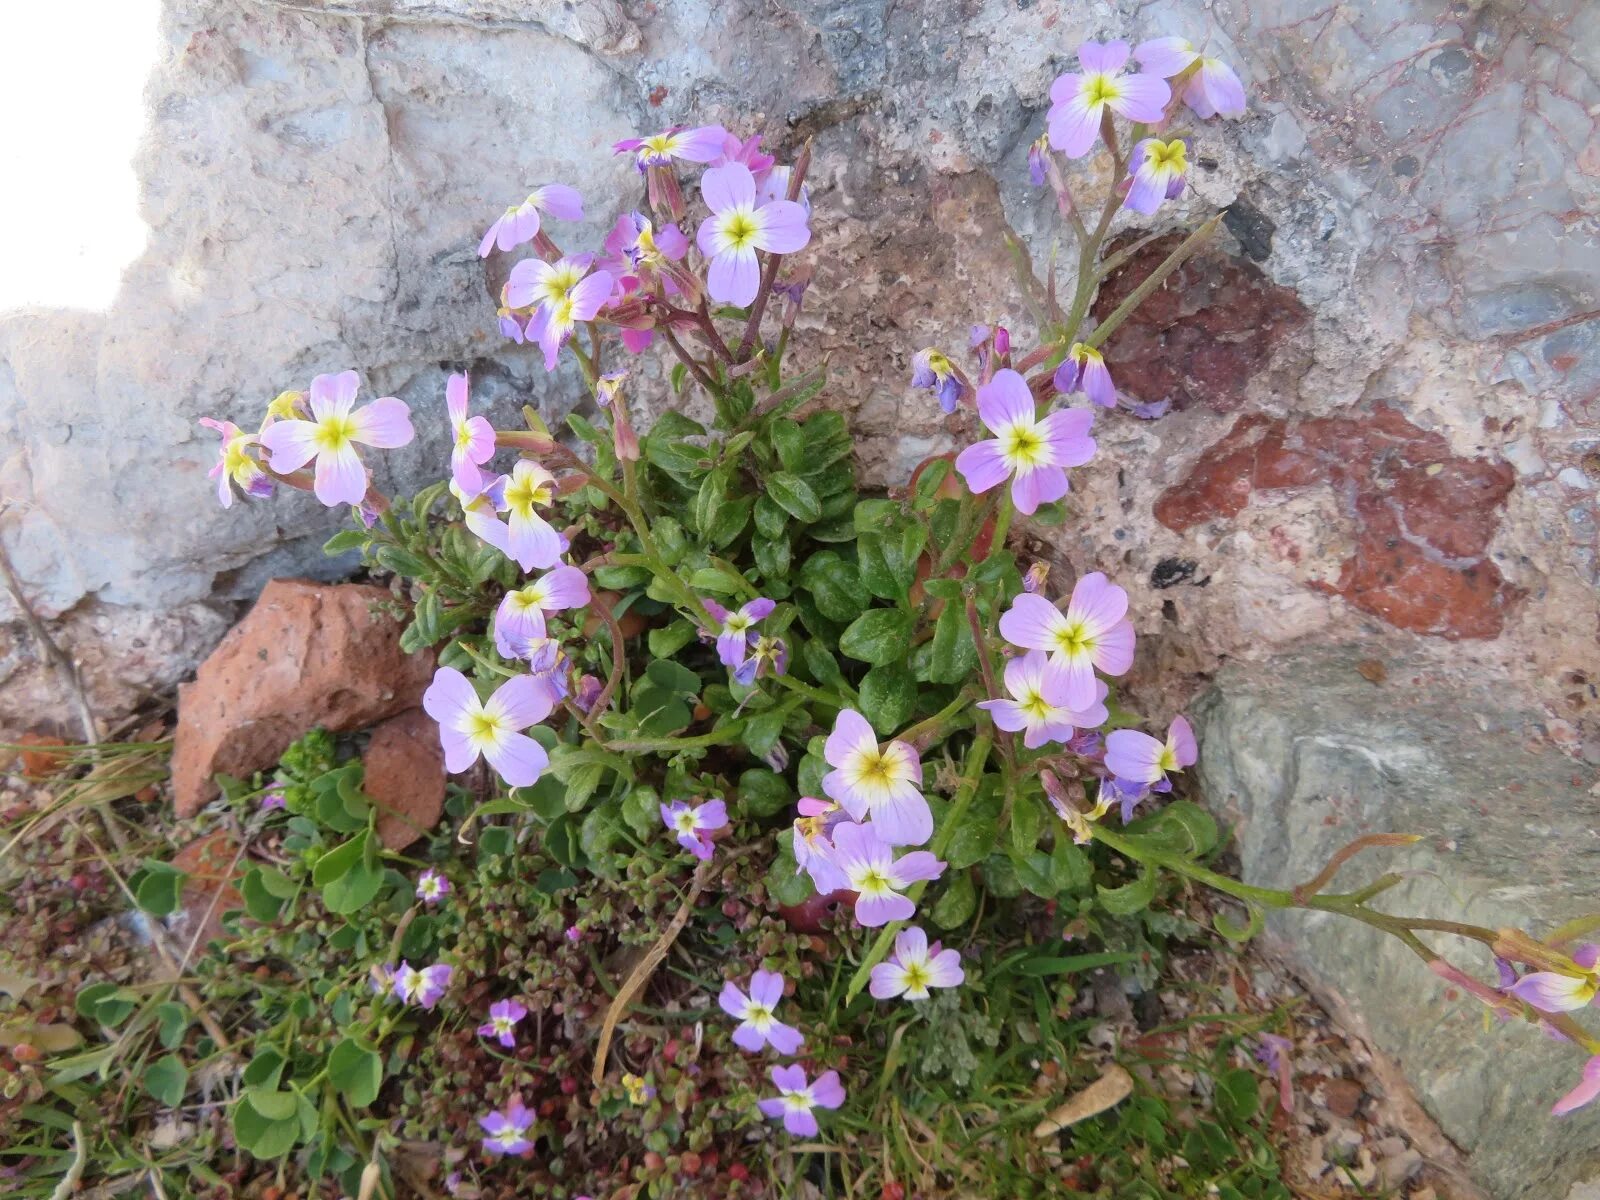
x: 507, y: 1132
x: 797, y: 1098
x: 1159, y: 168
x: 502, y: 1022
x: 877, y: 877
x: 1039, y: 705
x: 1032, y: 452
x: 1552, y: 991
x: 482, y: 500
x: 235, y: 464
x: 1584, y: 1093
x: 915, y: 967
x: 520, y: 222
x: 530, y: 539
x: 880, y: 782
x: 813, y: 844
x: 1084, y: 370
x: 424, y: 987
x: 432, y: 886
x: 471, y: 438
x: 738, y: 227
x: 758, y: 1026
x: 1132, y: 754
x: 565, y: 293
x: 520, y: 619
x: 1079, y: 101
x: 1093, y: 633
x: 469, y: 727
x: 332, y: 434
x: 699, y: 145
x: 1211, y: 90
x: 694, y: 825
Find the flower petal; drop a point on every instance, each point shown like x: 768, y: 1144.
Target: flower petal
x: 521, y: 701
x: 1031, y: 622
x: 385, y: 423
x: 983, y: 466
x: 518, y: 759
x: 734, y: 277
x: 1074, y: 126
x: 290, y: 444
x: 731, y: 186
x: 733, y: 1001
x: 559, y: 200
x: 1005, y: 400
x: 851, y: 733
x: 1134, y: 755
x: 903, y: 818
x: 783, y: 227
x: 340, y: 478
x: 1142, y: 98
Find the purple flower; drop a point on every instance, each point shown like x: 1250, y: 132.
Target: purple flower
x: 506, y: 1132
x: 700, y: 145
x: 1150, y: 410
x: 735, y: 636
x: 1084, y: 370
x: 469, y: 727
x: 520, y: 619
x: 1274, y: 1053
x: 765, y: 654
x: 915, y: 967
x: 1034, y: 580
x: 758, y: 1026
x: 747, y: 152
x: 472, y: 438
x: 1038, y: 160
x: 692, y: 825
x: 1552, y: 991
x: 381, y: 979
x: 738, y: 227
x: 1030, y: 451
x: 1078, y: 101
x: 797, y: 1098
x: 813, y: 844
x: 1039, y: 689
x: 432, y: 886
x: 880, y: 782
x: 520, y: 222
x: 562, y: 293
x: 423, y: 987
x: 589, y: 689
x: 1093, y: 633
x: 1069, y: 810
x: 1584, y: 1093
x: 574, y: 934
x: 273, y: 797
x: 1134, y: 755
x: 1212, y: 89
x: 1159, y: 169
x: 876, y: 876
x: 525, y: 535
x: 1123, y: 793
x: 502, y: 1022
x: 235, y: 464
x: 332, y: 434
x: 934, y: 372
x: 482, y: 500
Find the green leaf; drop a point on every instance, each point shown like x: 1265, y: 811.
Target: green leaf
x: 353, y: 890
x: 356, y: 1070
x: 974, y: 838
x: 261, y: 1136
x: 954, y: 657
x: 771, y: 521
x: 1069, y: 865
x: 667, y: 641
x: 172, y: 1022
x: 761, y: 732
x: 716, y: 580
x: 89, y: 997
x: 878, y: 636
x: 710, y: 498
x: 956, y: 905
x: 641, y: 811
x: 786, y: 883
x: 773, y: 556
x: 794, y: 496
x: 158, y: 887
x: 264, y: 1069
x: 888, y: 696
x: 344, y: 541
x: 674, y: 677
x: 167, y: 1079
x: 789, y: 440
x: 1073, y: 964
x: 835, y: 584
x: 339, y: 860
x: 763, y: 793
x: 259, y: 902
x: 1034, y: 872
x: 1238, y: 1095
x: 730, y: 522
x: 1027, y: 819
x: 271, y: 1103
x: 925, y: 493
x: 1130, y: 898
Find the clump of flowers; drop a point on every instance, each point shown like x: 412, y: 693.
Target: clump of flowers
x: 878, y: 698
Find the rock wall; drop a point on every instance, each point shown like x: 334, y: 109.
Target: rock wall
x: 1383, y: 373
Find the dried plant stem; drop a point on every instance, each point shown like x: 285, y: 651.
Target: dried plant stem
x: 640, y: 975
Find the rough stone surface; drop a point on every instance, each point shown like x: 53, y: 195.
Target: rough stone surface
x: 211, y: 864
x: 1307, y: 753
x: 405, y: 776
x: 307, y: 655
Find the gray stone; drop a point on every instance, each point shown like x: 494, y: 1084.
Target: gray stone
x: 1306, y: 754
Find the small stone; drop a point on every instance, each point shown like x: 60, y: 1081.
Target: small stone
x: 308, y: 655
x: 1341, y: 1097
x: 1395, y: 1169
x: 405, y: 777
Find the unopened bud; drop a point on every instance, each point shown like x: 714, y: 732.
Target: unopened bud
x: 1033, y: 581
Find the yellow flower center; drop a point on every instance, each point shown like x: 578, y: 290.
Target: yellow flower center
x: 758, y: 1015
x: 1023, y: 447
x: 873, y: 882
x: 463, y: 435
x: 740, y: 228
x: 659, y: 144
x: 1072, y: 639
x: 684, y: 821
x: 523, y: 493
x: 333, y: 433
x: 797, y: 1101
x: 1168, y: 760
x: 234, y: 459
x: 1172, y: 157
x: 916, y: 977
x: 484, y: 728
x: 1100, y: 88
x: 1034, y: 705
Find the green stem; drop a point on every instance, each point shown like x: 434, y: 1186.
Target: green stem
x: 716, y: 737
x: 1154, y: 280
x: 977, y: 758
x: 831, y: 699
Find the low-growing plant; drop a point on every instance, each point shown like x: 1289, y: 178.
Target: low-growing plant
x: 713, y: 704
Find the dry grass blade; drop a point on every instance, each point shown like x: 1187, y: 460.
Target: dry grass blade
x: 1110, y: 1090
x: 112, y: 777
x: 640, y: 975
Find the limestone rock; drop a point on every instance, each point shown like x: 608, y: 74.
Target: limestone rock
x: 405, y: 777
x: 307, y: 655
x: 1306, y: 753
